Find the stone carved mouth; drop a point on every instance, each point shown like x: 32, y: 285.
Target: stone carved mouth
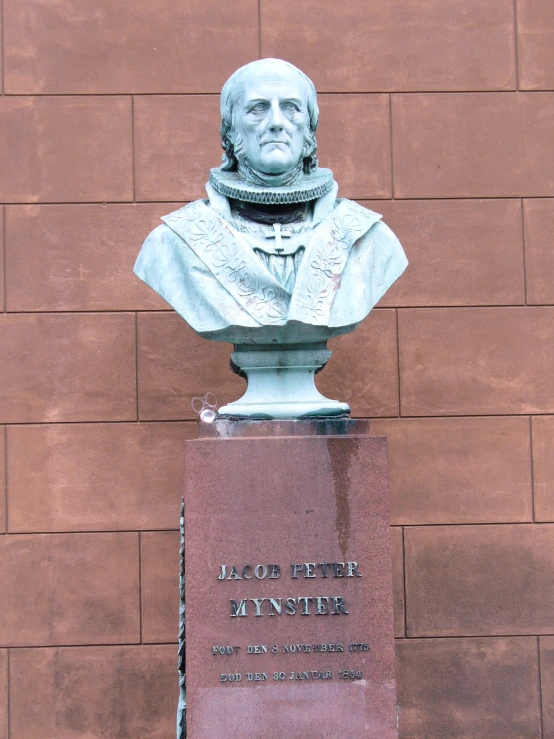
x: 275, y: 141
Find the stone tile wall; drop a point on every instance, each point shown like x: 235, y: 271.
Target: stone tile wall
x: 440, y: 115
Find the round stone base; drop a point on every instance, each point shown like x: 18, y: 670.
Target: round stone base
x: 281, y: 384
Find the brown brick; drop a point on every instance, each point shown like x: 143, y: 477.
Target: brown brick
x: 363, y: 370
x: 397, y: 547
x: 65, y: 148
x: 465, y: 361
x: 2, y: 480
x: 69, y: 589
x: 360, y: 46
x: 473, y: 145
x: 547, y: 684
x: 535, y: 44
x: 106, y: 47
x: 543, y: 467
x: 175, y: 365
x: 2, y: 251
x: 347, y: 123
x: 458, y: 470
x: 4, y: 693
x: 539, y: 254
x: 176, y: 143
x: 78, y: 257
x: 160, y: 564
x: 468, y: 688
x: 2, y: 56
x: 96, y: 477
x: 108, y: 692
x: 461, y: 252
x: 479, y: 580
x: 67, y: 367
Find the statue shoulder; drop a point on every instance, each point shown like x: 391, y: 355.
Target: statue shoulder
x: 353, y: 219
x: 166, y: 230
x: 355, y: 207
x: 376, y: 239
x: 378, y: 229
x: 157, y: 234
x: 185, y: 213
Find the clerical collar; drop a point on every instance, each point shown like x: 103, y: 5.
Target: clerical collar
x: 305, y: 187
x: 283, y: 213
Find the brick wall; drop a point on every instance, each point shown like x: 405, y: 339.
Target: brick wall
x: 438, y: 114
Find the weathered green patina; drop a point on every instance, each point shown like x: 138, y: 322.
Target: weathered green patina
x: 272, y: 261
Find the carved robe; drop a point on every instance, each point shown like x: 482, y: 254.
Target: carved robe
x: 209, y: 272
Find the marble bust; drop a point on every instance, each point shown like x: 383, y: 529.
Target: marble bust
x: 272, y: 260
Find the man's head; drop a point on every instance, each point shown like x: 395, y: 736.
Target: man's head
x: 269, y: 117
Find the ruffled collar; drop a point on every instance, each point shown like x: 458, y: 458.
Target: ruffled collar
x: 304, y: 187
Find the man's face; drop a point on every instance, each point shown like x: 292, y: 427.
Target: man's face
x: 269, y: 120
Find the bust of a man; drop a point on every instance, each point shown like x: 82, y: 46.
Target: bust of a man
x: 272, y: 260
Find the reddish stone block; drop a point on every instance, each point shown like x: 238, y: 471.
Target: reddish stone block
x: 397, y: 547
x: 78, y: 257
x: 3, y: 500
x: 2, y: 258
x: 160, y: 564
x: 347, y: 123
x: 175, y: 365
x: 483, y: 361
x: 535, y: 28
x: 69, y: 589
x: 471, y: 580
x: 461, y: 252
x: 468, y: 688
x: 96, y: 477
x: 543, y: 467
x: 93, y: 692
x: 4, y: 693
x: 106, y: 47
x: 547, y: 684
x: 176, y: 143
x: 363, y: 370
x: 456, y: 47
x: 70, y: 367
x: 2, y: 56
x: 321, y: 499
x: 458, y: 470
x: 539, y: 255
x: 473, y: 145
x: 66, y: 149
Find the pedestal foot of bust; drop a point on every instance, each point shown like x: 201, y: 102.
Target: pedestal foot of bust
x: 281, y: 383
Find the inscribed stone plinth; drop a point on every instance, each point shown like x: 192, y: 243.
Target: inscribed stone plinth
x: 307, y: 647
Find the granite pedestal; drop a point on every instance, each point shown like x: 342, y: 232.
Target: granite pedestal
x: 289, y: 628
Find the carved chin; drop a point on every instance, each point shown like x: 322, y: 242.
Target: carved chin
x: 277, y: 165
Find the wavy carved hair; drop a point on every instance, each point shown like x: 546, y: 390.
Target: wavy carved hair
x: 229, y: 95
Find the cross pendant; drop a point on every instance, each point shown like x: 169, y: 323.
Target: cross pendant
x: 278, y: 235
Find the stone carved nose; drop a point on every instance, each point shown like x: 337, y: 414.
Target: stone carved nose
x: 276, y: 120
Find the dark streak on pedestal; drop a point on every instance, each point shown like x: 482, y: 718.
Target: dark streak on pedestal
x: 341, y: 458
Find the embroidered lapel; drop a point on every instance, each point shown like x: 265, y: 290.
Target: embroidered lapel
x: 232, y: 262
x: 325, y: 258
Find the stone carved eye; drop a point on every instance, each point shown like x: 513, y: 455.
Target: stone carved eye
x: 258, y: 109
x: 291, y: 108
